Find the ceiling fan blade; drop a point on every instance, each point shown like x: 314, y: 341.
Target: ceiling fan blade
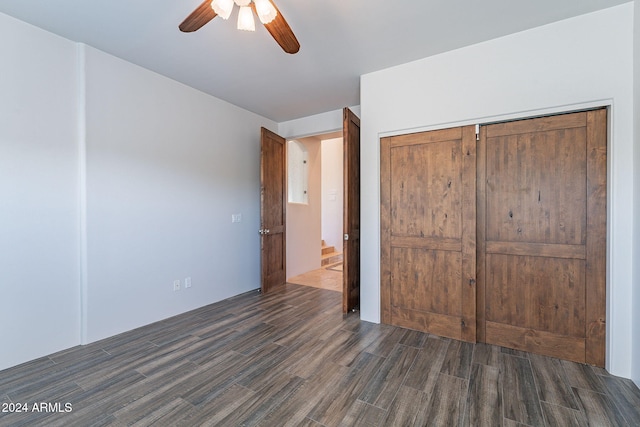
x: 281, y: 32
x: 198, y: 17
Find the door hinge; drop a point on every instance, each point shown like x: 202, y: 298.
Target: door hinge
x: 477, y: 132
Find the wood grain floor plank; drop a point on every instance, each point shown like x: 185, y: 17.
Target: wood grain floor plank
x: 484, y: 401
x: 387, y: 343
x: 457, y: 361
x: 233, y: 368
x: 552, y: 382
x: 383, y: 386
x: 363, y: 414
x: 266, y: 364
x: 305, y: 365
x: 211, y: 346
x: 141, y: 361
x: 159, y: 390
x: 414, y: 339
x: 338, y: 398
x: 555, y: 415
x: 408, y: 404
x: 626, y: 396
x: 47, y: 393
x: 294, y: 411
x: 514, y: 352
x: 357, y: 343
x: 486, y: 354
x: 582, y: 376
x: 166, y: 414
x: 447, y: 403
x: 75, y: 354
x: 220, y: 407
x: 519, y: 394
x: 269, y: 397
x: 506, y: 422
x: 315, y: 328
x: 252, y: 339
x: 165, y: 357
x: 599, y: 409
x: 308, y: 422
x: 54, y: 373
x: 25, y: 372
x: 426, y: 368
x: 91, y: 406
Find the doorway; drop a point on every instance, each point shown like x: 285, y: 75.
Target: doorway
x: 273, y: 210
x: 314, y: 226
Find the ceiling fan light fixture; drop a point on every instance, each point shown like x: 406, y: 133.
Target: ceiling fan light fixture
x: 245, y: 19
x: 265, y: 10
x: 222, y: 8
x: 243, y: 2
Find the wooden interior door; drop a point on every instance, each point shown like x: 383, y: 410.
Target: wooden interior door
x: 542, y: 234
x: 273, y: 210
x: 428, y: 227
x: 351, y: 223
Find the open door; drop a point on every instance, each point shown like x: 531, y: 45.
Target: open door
x: 351, y: 226
x: 273, y: 210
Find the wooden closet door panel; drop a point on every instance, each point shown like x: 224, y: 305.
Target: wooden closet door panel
x: 428, y: 232
x: 537, y: 187
x: 426, y: 280
x: 540, y: 293
x: 426, y: 190
x: 537, y: 221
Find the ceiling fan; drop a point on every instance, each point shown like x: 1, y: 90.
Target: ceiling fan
x: 266, y: 10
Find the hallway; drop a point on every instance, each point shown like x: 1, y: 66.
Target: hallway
x: 329, y: 277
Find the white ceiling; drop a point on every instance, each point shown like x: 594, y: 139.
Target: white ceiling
x: 340, y: 40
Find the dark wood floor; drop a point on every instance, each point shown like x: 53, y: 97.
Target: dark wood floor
x: 290, y: 358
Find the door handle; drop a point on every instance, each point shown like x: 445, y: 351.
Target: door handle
x: 346, y: 236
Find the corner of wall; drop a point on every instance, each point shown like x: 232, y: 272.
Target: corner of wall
x: 635, y: 368
x: 82, y: 185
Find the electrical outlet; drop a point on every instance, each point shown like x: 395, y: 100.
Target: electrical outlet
x: 176, y: 285
x: 187, y: 282
x: 236, y: 217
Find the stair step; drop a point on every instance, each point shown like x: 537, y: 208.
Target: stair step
x: 331, y: 258
x: 328, y: 249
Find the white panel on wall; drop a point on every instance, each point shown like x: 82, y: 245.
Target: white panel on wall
x: 39, y: 270
x: 167, y: 167
x: 583, y: 61
x: 297, y: 172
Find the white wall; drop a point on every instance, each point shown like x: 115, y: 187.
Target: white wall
x: 304, y: 220
x: 114, y: 181
x: 39, y: 273
x: 635, y: 374
x: 332, y: 191
x: 584, y: 61
x: 167, y: 166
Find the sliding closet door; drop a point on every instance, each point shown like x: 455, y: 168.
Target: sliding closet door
x: 542, y: 234
x: 428, y: 225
